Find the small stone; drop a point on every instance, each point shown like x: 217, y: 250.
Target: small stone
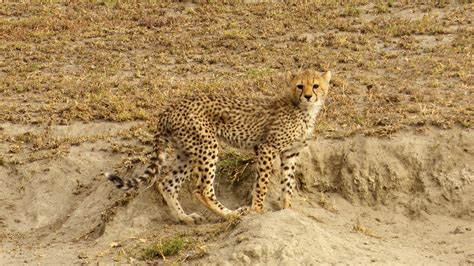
x: 457, y: 230
x: 245, y: 258
x: 234, y: 256
x: 281, y: 46
x: 254, y: 251
x: 306, y: 37
x: 115, y: 245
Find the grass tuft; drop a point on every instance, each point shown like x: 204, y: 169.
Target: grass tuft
x: 166, y: 247
x: 360, y: 229
x: 233, y: 164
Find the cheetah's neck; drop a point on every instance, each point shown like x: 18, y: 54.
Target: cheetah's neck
x: 310, y: 115
x: 313, y: 111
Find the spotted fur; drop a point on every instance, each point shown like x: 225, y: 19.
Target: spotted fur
x: 272, y: 127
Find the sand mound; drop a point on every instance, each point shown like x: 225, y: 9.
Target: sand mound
x: 432, y: 171
x: 293, y: 238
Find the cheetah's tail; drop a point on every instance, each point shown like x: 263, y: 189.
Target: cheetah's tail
x: 157, y: 164
x: 133, y: 183
x: 148, y: 177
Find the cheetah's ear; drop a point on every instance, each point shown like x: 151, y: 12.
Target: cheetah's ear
x: 327, y: 76
x: 289, y: 76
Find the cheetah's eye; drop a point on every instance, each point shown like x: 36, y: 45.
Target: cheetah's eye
x: 315, y: 86
x: 300, y: 86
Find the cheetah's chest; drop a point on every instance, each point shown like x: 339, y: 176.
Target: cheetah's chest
x: 308, y: 120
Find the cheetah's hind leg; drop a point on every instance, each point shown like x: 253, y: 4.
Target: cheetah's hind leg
x: 204, y: 175
x: 170, y: 186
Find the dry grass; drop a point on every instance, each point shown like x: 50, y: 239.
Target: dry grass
x: 232, y: 165
x: 121, y: 62
x: 111, y: 61
x: 165, y: 247
x: 360, y: 229
x: 172, y: 245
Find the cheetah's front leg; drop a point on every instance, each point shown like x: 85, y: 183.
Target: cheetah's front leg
x: 265, y: 157
x: 288, y: 162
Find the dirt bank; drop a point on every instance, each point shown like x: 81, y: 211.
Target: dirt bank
x: 404, y: 199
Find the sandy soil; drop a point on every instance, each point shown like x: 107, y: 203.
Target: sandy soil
x: 404, y: 200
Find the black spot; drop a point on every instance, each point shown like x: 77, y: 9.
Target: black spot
x: 116, y: 180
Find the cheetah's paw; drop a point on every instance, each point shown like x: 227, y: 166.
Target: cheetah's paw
x: 192, y: 218
x: 244, y: 210
x: 238, y: 213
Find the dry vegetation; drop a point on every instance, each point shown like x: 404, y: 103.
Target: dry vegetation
x: 395, y: 67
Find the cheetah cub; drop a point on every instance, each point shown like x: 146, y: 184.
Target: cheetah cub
x: 270, y: 126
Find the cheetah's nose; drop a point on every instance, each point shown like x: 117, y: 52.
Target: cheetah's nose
x: 308, y: 97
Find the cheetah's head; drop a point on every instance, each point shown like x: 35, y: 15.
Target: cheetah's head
x: 309, y: 87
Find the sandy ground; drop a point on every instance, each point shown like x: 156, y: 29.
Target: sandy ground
x: 404, y: 200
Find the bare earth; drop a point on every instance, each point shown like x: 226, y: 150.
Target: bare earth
x: 389, y: 178
x: 408, y: 199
